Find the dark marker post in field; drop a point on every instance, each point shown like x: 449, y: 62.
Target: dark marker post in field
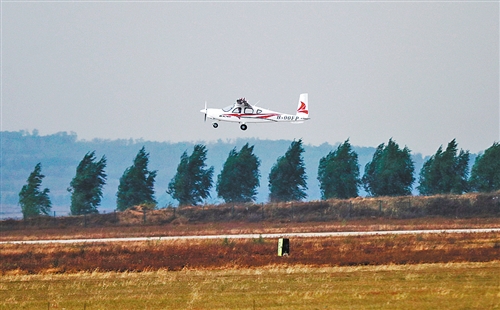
x: 283, y: 247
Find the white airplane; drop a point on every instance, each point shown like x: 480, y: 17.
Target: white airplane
x: 242, y: 112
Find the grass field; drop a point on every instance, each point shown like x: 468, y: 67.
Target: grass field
x: 424, y: 286
x: 436, y: 271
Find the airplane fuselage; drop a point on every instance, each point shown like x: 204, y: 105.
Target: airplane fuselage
x: 258, y: 115
x: 242, y: 112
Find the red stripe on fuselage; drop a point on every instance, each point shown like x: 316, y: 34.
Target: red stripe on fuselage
x: 262, y: 116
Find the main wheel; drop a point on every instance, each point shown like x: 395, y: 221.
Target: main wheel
x: 215, y: 125
x: 243, y: 127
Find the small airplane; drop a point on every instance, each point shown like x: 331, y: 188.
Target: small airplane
x: 242, y: 112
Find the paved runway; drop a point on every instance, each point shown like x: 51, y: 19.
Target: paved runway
x: 267, y: 236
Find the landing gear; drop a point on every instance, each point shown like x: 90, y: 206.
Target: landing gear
x: 243, y: 127
x: 215, y: 125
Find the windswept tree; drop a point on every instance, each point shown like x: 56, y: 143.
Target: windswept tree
x: 192, y: 182
x: 485, y: 174
x: 338, y: 173
x: 390, y: 173
x: 32, y: 199
x: 239, y: 178
x: 445, y: 172
x: 136, y: 184
x: 288, y: 179
x: 86, y: 186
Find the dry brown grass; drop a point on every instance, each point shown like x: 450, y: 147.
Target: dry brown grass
x: 237, y: 253
x: 227, y: 228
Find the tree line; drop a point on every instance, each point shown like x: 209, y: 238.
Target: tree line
x: 389, y: 173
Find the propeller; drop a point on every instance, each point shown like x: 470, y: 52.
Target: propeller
x: 205, y: 111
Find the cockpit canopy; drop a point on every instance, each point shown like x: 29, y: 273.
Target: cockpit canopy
x: 228, y: 108
x: 241, y: 107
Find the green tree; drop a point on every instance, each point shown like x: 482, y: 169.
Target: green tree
x: 390, y: 173
x: 192, y: 182
x: 445, y: 172
x: 485, y: 174
x: 226, y: 184
x: 137, y: 183
x: 239, y: 177
x: 338, y: 173
x: 32, y: 199
x: 287, y: 179
x: 86, y: 186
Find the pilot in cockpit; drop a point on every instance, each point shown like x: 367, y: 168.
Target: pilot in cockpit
x: 242, y: 104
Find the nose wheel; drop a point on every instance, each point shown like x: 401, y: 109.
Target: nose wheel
x: 243, y: 127
x: 215, y: 125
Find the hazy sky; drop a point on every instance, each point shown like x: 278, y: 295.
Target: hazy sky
x: 422, y: 73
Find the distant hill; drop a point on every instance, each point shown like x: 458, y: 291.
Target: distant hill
x: 60, y: 154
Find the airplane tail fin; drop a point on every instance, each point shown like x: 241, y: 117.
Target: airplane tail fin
x: 303, y: 107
